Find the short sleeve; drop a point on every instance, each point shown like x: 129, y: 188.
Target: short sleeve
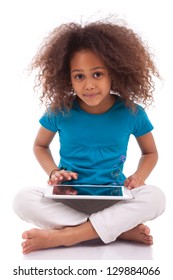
x: 142, y: 123
x: 50, y: 121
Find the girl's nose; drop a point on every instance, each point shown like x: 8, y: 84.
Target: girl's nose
x: 89, y: 84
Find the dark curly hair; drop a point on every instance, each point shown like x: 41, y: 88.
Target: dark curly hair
x: 124, y: 54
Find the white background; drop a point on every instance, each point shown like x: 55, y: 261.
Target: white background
x: 23, y: 26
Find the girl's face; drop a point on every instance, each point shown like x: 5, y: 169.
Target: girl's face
x: 91, y: 82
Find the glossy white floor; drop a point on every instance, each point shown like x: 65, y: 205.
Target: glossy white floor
x: 94, y: 250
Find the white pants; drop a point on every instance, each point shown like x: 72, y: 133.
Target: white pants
x: 109, y: 218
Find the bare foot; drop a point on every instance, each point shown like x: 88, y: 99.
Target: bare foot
x: 140, y: 233
x: 36, y: 239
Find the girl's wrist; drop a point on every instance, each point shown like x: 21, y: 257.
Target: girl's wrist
x: 54, y: 170
x: 51, y: 173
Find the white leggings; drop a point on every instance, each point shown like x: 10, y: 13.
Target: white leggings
x: 109, y: 218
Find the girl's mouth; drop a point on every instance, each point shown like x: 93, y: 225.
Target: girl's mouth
x: 92, y: 95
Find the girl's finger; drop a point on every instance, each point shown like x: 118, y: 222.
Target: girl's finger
x: 73, y: 175
x: 66, y: 175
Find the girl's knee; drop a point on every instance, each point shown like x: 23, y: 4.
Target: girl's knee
x: 23, y: 200
x: 156, y: 198
x: 152, y: 197
x: 157, y: 193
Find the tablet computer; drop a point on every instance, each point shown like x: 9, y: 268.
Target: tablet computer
x: 109, y: 192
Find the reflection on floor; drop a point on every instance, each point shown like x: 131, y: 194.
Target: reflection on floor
x: 116, y: 251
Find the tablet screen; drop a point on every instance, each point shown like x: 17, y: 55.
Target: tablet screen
x: 98, y: 190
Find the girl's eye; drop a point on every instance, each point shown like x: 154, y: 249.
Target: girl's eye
x: 98, y: 74
x: 79, y: 76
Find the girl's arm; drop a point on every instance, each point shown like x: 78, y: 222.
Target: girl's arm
x: 42, y: 151
x: 44, y: 156
x: 147, y: 161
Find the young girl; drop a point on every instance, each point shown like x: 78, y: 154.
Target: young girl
x: 92, y: 78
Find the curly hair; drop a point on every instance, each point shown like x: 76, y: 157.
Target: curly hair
x: 124, y: 54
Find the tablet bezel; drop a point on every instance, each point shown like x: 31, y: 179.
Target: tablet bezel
x: 127, y: 194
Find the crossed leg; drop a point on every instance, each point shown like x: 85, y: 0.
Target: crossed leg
x: 82, y: 229
x: 37, y: 239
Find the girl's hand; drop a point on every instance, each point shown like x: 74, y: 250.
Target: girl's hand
x: 133, y: 181
x: 59, y: 176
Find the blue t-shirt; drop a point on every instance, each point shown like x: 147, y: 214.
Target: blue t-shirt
x: 95, y: 145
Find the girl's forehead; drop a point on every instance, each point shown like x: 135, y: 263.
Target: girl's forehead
x: 86, y: 58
